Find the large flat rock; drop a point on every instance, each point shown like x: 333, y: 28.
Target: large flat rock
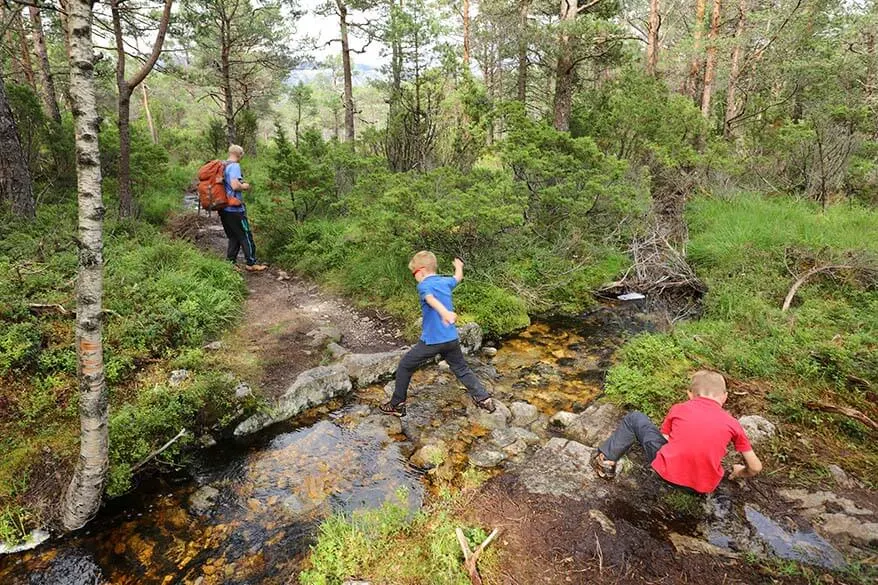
x: 311, y: 388
x: 368, y: 368
x: 561, y: 468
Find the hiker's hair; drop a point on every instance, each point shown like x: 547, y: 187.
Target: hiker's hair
x: 236, y: 150
x: 423, y: 259
x: 708, y: 384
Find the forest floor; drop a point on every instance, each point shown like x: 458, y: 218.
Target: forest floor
x: 594, y: 533
x: 281, y: 311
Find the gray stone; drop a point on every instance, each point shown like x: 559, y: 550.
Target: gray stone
x: 243, y: 390
x: 202, y: 500
x: 177, y: 377
x: 356, y: 583
x: 561, y: 468
x: 215, y: 346
x: 311, y: 388
x: 516, y: 448
x: 207, y: 441
x: 525, y: 435
x: 389, y: 388
x: 503, y: 437
x: 689, y: 544
x: 325, y: 335
x: 336, y: 351
x: 562, y: 419
x: 489, y: 420
x: 470, y: 337
x: 443, y: 366
x: 815, y: 503
x: 489, y: 352
x: 430, y: 455
x: 594, y: 424
x: 841, y: 478
x: 74, y: 566
x: 368, y: 368
x: 851, y: 529
x: 392, y: 424
x: 758, y: 429
x: 486, y: 458
x: 602, y: 519
x: 523, y: 413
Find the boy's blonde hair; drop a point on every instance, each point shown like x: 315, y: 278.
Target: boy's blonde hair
x: 423, y: 259
x: 236, y: 150
x: 708, y: 384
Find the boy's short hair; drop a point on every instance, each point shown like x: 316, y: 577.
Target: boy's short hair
x: 708, y: 384
x: 423, y: 259
x: 236, y: 150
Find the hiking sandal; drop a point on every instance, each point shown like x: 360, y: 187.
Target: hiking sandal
x: 486, y: 404
x: 388, y: 408
x: 601, y: 466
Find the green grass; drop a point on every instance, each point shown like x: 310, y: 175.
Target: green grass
x: 389, y: 545
x: 163, y: 299
x: 748, y: 250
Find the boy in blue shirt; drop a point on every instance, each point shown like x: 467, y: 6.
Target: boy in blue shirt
x: 439, y: 335
x: 234, y: 215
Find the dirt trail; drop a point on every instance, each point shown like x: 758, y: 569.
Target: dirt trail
x: 282, y: 309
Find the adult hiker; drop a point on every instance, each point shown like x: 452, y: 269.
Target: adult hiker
x: 689, y: 448
x: 234, y: 215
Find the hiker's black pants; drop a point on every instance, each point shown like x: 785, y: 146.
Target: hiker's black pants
x: 634, y: 428
x: 422, y: 353
x: 237, y: 229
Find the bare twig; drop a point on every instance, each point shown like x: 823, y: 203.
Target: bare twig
x: 829, y: 268
x: 847, y: 411
x: 471, y: 558
x: 158, y: 451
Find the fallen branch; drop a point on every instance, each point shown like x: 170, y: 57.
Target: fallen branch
x: 46, y: 309
x: 158, y: 452
x: 471, y: 558
x: 808, y: 274
x: 849, y: 412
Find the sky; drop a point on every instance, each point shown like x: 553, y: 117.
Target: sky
x: 325, y: 28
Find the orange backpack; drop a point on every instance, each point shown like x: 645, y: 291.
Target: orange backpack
x: 211, y: 186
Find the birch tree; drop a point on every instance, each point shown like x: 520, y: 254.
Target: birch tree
x: 83, y: 496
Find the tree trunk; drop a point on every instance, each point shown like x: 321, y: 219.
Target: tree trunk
x: 523, y: 10
x: 26, y: 63
x: 228, y: 106
x: 15, y: 181
x: 126, y: 200
x: 466, y: 34
x: 690, y: 86
x: 149, y: 122
x: 734, y: 71
x: 46, y: 78
x: 346, y: 71
x: 564, y: 71
x: 83, y: 496
x: 871, y: 81
x: 652, y: 40
x: 710, y: 64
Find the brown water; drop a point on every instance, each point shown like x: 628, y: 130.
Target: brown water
x: 271, y: 492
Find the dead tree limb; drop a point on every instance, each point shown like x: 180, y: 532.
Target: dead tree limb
x: 471, y: 558
x: 158, y: 451
x: 847, y: 411
x: 808, y: 274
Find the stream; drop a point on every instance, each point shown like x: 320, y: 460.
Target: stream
x: 246, y: 512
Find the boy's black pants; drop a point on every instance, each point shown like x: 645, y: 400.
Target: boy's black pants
x: 421, y: 353
x: 237, y: 229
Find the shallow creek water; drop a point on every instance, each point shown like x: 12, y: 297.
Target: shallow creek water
x: 247, y: 512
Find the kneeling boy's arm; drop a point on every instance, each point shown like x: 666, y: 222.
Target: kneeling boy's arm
x: 753, y: 465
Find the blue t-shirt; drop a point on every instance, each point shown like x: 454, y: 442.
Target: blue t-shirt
x: 233, y: 171
x: 434, y: 330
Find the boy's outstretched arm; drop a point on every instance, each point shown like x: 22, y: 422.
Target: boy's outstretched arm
x: 448, y: 317
x: 458, y: 269
x: 752, y: 466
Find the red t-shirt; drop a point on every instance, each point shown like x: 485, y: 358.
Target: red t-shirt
x: 698, y: 431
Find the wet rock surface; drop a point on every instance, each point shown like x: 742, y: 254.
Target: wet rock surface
x: 594, y: 424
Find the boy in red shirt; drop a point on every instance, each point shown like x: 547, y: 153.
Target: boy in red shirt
x: 688, y: 450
